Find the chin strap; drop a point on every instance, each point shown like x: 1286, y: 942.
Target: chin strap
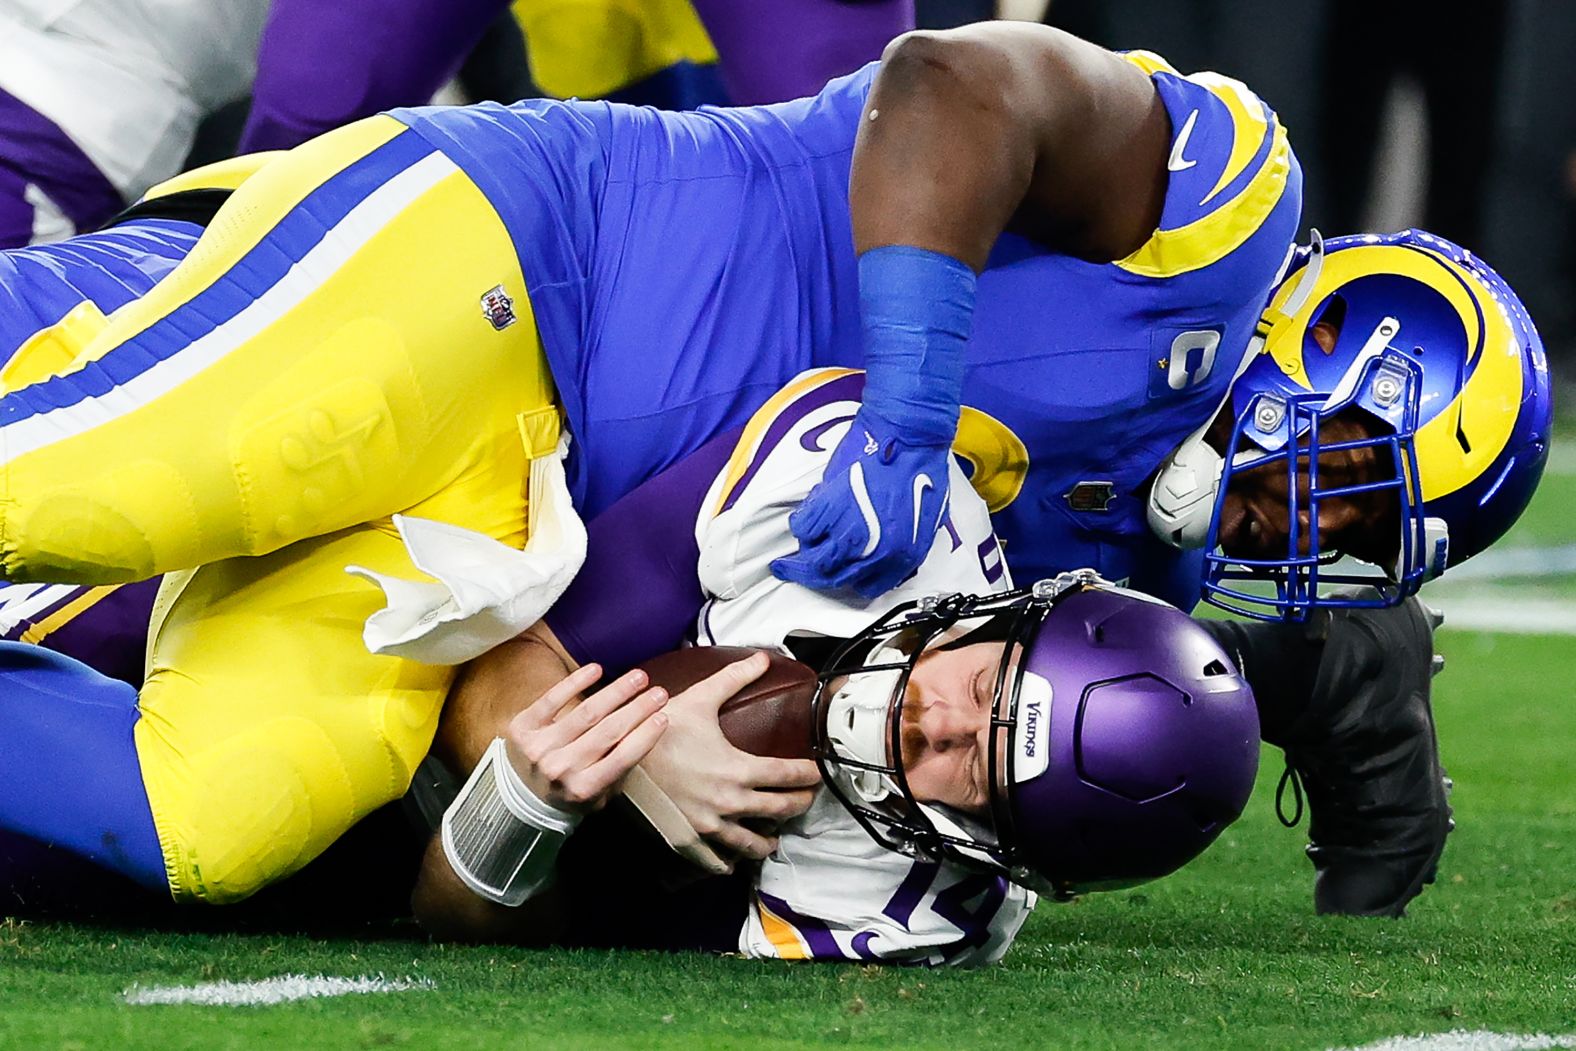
x: 1436, y: 549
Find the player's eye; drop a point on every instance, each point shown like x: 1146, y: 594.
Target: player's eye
x: 979, y: 689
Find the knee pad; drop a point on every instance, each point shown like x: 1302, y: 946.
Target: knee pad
x: 250, y: 810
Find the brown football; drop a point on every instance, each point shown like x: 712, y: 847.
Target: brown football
x: 769, y: 717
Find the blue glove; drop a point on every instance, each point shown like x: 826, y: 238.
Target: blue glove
x: 898, y: 493
x: 871, y: 520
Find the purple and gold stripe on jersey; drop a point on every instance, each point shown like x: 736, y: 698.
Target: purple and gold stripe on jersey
x: 104, y: 627
x: 794, y: 935
x: 811, y: 391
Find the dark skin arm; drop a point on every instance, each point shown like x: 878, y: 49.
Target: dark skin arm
x: 1004, y: 125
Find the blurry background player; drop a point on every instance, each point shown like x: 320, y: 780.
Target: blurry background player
x: 829, y: 889
x: 101, y: 99
x: 679, y: 54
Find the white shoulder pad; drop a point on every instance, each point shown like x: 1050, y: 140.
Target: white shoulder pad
x: 743, y: 527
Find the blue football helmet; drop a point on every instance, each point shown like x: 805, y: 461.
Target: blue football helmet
x: 1432, y: 344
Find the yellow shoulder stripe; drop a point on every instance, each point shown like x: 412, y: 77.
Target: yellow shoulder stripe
x: 782, y: 934
x: 1247, y: 121
x: 1149, y: 62
x: 221, y: 175
x: 749, y: 442
x: 1209, y: 239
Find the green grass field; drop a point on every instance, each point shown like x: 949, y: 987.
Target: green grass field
x: 1227, y: 954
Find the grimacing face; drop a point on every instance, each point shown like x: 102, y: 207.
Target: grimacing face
x: 946, y: 726
x: 1254, y: 516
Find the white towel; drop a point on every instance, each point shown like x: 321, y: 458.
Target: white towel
x: 484, y: 592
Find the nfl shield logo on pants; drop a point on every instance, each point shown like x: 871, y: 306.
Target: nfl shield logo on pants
x: 498, y: 308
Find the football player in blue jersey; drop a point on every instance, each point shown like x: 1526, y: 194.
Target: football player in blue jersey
x: 689, y: 552
x: 654, y: 277
x: 391, y: 318
x: 1292, y: 670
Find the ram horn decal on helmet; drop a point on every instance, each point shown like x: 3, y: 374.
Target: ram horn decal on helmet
x: 1431, y: 348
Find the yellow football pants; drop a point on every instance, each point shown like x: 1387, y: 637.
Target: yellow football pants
x: 351, y: 338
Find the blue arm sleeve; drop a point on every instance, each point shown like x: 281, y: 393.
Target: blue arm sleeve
x: 639, y: 592
x: 72, y: 778
x: 916, y: 307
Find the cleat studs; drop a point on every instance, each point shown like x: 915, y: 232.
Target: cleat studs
x: 1436, y: 665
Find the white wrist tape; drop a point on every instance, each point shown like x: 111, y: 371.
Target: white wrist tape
x: 500, y: 839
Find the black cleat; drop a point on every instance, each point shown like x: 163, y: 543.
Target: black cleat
x: 1365, y: 752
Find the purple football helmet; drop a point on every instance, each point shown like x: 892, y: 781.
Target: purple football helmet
x: 1122, y: 739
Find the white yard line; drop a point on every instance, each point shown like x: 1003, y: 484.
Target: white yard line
x: 264, y: 991
x: 1562, y: 458
x: 1481, y: 594
x: 1500, y: 609
x: 1470, y: 1040
x: 1494, y: 563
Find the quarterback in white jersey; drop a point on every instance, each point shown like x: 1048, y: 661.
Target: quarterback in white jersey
x: 973, y: 787
x: 973, y: 746
x: 830, y: 891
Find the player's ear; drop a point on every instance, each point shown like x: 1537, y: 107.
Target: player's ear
x: 1325, y: 334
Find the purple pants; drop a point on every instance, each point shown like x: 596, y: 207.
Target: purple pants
x: 787, y: 49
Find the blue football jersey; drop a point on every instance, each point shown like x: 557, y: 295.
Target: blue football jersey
x: 683, y: 266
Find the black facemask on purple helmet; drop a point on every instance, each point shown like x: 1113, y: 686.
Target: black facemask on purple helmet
x: 1122, y: 739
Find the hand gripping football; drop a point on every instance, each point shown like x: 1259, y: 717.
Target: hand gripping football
x: 769, y: 717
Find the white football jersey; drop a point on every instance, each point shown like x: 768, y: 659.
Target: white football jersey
x: 831, y: 891
x: 128, y: 80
